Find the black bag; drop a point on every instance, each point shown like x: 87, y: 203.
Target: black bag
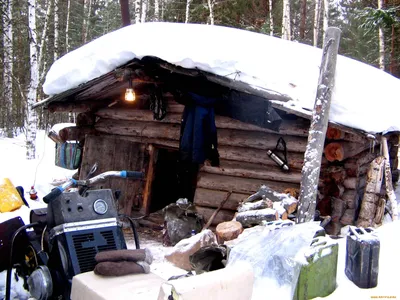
x: 362, y: 257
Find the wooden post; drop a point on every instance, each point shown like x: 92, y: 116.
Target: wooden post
x: 319, y: 125
x: 149, y: 180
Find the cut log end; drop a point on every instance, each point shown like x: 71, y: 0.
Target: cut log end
x: 334, y: 151
x: 334, y: 133
x: 228, y: 231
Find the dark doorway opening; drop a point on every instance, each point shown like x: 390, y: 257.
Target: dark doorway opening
x: 172, y: 180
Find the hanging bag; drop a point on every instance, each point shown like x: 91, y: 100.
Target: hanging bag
x: 68, y: 155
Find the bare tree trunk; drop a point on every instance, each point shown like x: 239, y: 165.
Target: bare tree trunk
x: 326, y: 16
x: 44, y: 39
x: 56, y: 27
x: 271, y: 19
x: 162, y: 9
x: 187, y: 10
x: 317, y: 17
x: 8, y: 67
x: 319, y: 125
x: 31, y: 116
x: 381, y: 41
x: 137, y: 11
x: 156, y: 10
x: 303, y: 19
x: 144, y: 10
x: 211, y: 8
x: 286, y: 28
x: 67, y: 27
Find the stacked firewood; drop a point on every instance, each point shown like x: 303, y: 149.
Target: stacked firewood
x: 264, y: 206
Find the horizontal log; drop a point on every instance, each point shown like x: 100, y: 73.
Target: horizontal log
x: 247, y: 170
x: 222, y: 216
x: 348, y: 217
x: 334, y: 133
x: 256, y: 217
x: 342, y: 150
x: 212, y: 199
x: 255, y: 205
x: 68, y: 107
x: 75, y: 133
x: 364, y: 157
x: 241, y: 138
x: 85, y: 119
x: 338, y: 208
x: 299, y: 127
x: 238, y: 184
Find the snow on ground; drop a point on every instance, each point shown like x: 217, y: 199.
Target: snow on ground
x: 22, y: 172
x: 262, y: 61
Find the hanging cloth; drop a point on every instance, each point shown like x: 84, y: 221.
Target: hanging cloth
x: 198, y: 131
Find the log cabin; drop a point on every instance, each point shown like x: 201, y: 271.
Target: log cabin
x: 147, y: 134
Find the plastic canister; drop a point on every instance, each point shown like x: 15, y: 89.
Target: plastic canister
x: 10, y: 198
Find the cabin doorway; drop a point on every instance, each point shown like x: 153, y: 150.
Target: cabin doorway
x: 172, y: 180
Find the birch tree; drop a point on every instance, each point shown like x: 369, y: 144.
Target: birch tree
x: 381, y: 36
x: 303, y: 19
x: 211, y: 9
x: 56, y: 27
x: 317, y: 16
x: 41, y: 61
x: 187, y: 10
x: 87, y: 10
x: 67, y: 27
x: 156, y: 10
x: 271, y: 19
x: 31, y: 116
x: 8, y: 66
x: 137, y: 11
x: 286, y: 28
x: 144, y: 10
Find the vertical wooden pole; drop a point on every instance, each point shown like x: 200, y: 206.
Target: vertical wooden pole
x: 149, y: 180
x: 125, y: 12
x: 319, y: 125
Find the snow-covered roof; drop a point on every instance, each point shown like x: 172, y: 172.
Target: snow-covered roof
x: 364, y: 98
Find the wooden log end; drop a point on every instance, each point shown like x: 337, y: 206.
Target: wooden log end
x: 334, y: 151
x: 228, y: 231
x: 334, y: 133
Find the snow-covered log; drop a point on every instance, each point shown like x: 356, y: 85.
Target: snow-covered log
x: 319, y: 125
x: 372, y: 192
x: 261, y: 204
x: 256, y: 217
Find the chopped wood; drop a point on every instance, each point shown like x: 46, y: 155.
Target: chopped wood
x: 239, y: 184
x: 213, y: 198
x: 353, y: 183
x: 292, y: 192
x: 255, y: 205
x: 256, y: 217
x: 388, y: 180
x: 371, y: 192
x: 351, y: 198
x: 341, y: 150
x: 217, y: 210
x: 348, y: 216
x: 290, y: 204
x: 335, y: 133
x: 338, y: 209
x: 278, y: 206
x: 380, y: 211
x: 333, y: 228
x: 228, y: 231
x: 222, y: 216
x: 335, y: 173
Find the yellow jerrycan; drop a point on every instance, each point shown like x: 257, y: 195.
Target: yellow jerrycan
x: 9, y: 197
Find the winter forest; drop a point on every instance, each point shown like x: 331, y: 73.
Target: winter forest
x: 35, y: 33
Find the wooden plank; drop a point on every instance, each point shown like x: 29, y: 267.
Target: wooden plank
x: 213, y: 198
x: 149, y: 180
x: 238, y: 184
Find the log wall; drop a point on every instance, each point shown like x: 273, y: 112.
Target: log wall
x: 245, y: 165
